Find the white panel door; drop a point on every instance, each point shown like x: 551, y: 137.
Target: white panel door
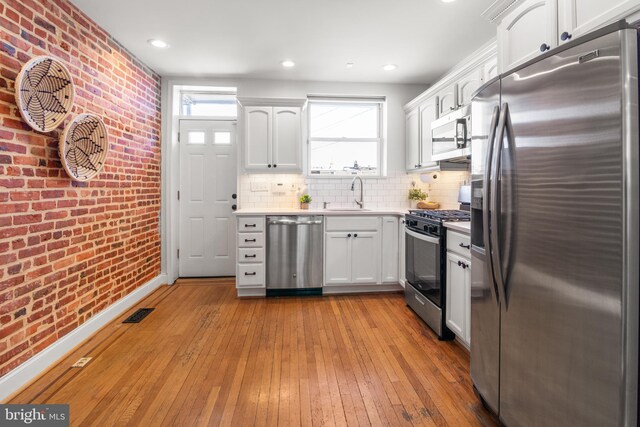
x: 207, y: 186
x: 490, y: 69
x: 287, y: 138
x: 337, y: 261
x: 447, y: 100
x: 364, y: 256
x: 524, y: 30
x: 468, y: 84
x: 412, y: 139
x: 390, y: 249
x: 577, y: 17
x: 428, y: 113
x: 257, y: 136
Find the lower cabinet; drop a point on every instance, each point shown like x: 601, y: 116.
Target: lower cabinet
x: 458, y: 306
x: 361, y: 250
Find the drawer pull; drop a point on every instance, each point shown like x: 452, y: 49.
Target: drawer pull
x: 462, y: 245
x: 250, y: 225
x: 462, y: 264
x: 418, y: 299
x: 249, y: 240
x: 250, y: 256
x: 250, y: 274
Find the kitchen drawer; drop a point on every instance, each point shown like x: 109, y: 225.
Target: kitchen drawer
x: 252, y: 255
x: 250, y: 275
x: 422, y: 306
x: 459, y: 244
x: 250, y: 223
x: 352, y: 223
x: 251, y: 240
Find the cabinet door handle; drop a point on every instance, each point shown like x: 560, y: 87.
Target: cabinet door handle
x: 250, y: 225
x: 355, y: 235
x: 544, y: 47
x: 250, y: 240
x: 250, y: 256
x: 250, y: 274
x: 268, y: 166
x: 565, y: 36
x: 275, y: 166
x: 349, y: 235
x: 462, y: 264
x: 462, y: 245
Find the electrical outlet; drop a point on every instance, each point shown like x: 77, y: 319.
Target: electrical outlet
x: 80, y: 363
x: 259, y: 186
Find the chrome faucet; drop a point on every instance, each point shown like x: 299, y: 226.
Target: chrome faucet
x: 353, y: 186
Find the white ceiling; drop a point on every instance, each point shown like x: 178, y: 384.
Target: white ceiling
x: 249, y: 38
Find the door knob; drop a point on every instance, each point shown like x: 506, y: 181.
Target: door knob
x: 234, y: 196
x: 565, y: 36
x: 234, y: 207
x: 544, y: 47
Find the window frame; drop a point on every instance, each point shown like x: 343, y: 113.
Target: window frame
x: 232, y: 92
x: 380, y: 102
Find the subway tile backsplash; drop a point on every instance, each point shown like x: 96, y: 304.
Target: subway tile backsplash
x: 264, y: 191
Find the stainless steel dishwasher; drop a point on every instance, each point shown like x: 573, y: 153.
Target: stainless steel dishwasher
x: 294, y: 255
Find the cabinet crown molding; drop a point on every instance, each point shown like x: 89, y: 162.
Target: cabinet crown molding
x: 499, y: 8
x: 246, y: 101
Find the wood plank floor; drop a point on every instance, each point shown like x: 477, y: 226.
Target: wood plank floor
x: 205, y: 357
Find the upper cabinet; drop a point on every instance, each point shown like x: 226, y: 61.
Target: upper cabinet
x: 527, y: 31
x: 577, y: 17
x: 448, y: 99
x: 528, y: 28
x: 272, y: 136
x: 468, y: 84
x: 451, y: 93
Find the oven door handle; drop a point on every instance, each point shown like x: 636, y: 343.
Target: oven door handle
x: 422, y: 236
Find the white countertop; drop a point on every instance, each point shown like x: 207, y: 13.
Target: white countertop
x: 326, y: 212
x: 461, y: 226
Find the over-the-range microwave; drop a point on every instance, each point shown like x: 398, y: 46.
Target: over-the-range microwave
x: 451, y: 135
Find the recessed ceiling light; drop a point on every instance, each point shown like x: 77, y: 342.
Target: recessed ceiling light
x: 448, y: 1
x: 390, y: 67
x: 349, y: 64
x: 287, y: 63
x: 160, y: 44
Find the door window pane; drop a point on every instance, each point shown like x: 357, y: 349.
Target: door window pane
x: 222, y: 137
x: 208, y: 104
x: 196, y: 137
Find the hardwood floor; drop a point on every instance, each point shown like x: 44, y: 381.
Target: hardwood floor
x: 205, y: 357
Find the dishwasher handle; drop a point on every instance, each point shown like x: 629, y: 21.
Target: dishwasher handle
x: 291, y: 222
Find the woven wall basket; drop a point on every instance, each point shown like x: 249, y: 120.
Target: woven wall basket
x: 44, y: 93
x: 83, y: 147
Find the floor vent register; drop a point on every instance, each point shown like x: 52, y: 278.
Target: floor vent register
x: 138, y: 315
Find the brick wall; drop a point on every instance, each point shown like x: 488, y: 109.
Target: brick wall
x: 68, y: 250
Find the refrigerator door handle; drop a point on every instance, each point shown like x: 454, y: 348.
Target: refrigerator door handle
x: 494, y: 204
x: 487, y: 196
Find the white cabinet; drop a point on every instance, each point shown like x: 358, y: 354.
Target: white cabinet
x: 577, y: 17
x: 287, y: 138
x: 468, y: 84
x: 258, y: 137
x: 361, y: 250
x: 272, y: 138
x: 526, y: 31
x: 250, y: 268
x: 458, y: 286
x: 490, y: 69
x: 447, y: 99
x: 390, y: 249
x: 412, y: 136
x: 528, y: 28
x: 337, y: 262
x: 458, y: 296
x: 364, y: 255
x: 428, y: 114
x: 418, y: 134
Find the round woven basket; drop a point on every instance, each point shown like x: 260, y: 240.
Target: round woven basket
x: 84, y: 146
x: 44, y: 93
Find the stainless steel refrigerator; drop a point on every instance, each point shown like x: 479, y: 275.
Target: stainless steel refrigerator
x: 554, y: 281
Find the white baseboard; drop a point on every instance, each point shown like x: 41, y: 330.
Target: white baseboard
x: 29, y: 370
x: 359, y: 289
x: 251, y: 292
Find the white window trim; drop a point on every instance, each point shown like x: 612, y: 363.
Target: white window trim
x: 232, y: 93
x: 380, y: 101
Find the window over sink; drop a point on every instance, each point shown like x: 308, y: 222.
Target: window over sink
x: 345, y: 136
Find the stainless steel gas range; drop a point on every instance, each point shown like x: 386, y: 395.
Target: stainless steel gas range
x: 425, y: 254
